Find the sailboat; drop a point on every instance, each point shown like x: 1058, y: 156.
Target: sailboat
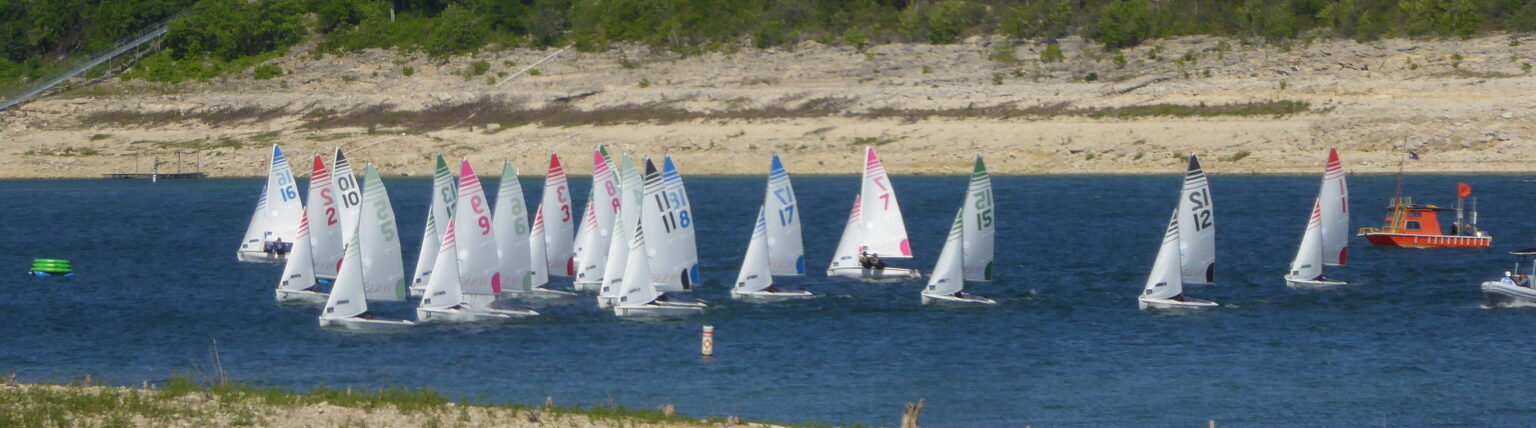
x: 325, y: 235
x: 1165, y: 285
x: 443, y: 197
x: 443, y: 300
x: 479, y: 268
x: 557, y: 222
x: 298, y: 283
x: 1197, y: 227
x: 776, y: 247
x: 968, y: 252
x: 348, y: 193
x: 371, y: 269
x: 275, y: 222
x: 640, y: 297
x: 875, y: 228
x: 509, y: 221
x: 593, y: 241
x: 682, y: 238
x: 668, y: 223
x: 630, y: 194
x: 1326, y: 239
x: 755, y: 281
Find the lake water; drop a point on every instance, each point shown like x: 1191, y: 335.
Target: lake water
x: 1409, y: 343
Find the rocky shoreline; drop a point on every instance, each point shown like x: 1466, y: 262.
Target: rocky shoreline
x: 1463, y: 105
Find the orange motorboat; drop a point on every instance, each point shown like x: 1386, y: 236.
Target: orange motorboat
x: 1418, y: 226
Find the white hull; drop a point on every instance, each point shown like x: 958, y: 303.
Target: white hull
x: 512, y: 313
x: 1499, y: 293
x: 771, y: 296
x: 417, y: 290
x: 457, y: 315
x: 606, y: 302
x: 301, y: 297
x: 657, y: 311
x: 1187, y: 304
x: 587, y: 286
x: 363, y: 325
x: 260, y: 257
x: 1313, y: 283
x: 538, y: 293
x: 968, y: 299
x: 888, y: 274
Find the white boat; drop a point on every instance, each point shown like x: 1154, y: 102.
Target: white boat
x: 298, y: 284
x: 383, y: 269
x: 592, y: 241
x: 347, y: 306
x: 445, y: 301
x: 349, y: 194
x: 683, y: 239
x: 558, y: 222
x: 755, y: 281
x: 1515, y: 288
x: 1165, y: 285
x: 514, y: 246
x: 325, y: 234
x: 631, y: 188
x: 668, y: 224
x: 1197, y: 227
x: 479, y: 269
x: 968, y: 251
x: 274, y: 224
x: 1315, y: 251
x: 875, y: 227
x: 443, y: 196
x: 640, y: 298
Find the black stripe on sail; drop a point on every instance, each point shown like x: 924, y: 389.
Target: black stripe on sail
x: 1194, y: 162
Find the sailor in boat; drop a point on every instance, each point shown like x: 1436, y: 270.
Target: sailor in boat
x: 870, y: 260
x: 1518, y: 280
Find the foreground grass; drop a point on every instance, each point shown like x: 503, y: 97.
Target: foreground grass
x: 561, y: 114
x: 182, y: 400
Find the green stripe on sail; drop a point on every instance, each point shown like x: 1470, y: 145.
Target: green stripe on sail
x: 981, y: 168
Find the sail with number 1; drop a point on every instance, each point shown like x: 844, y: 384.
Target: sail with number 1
x: 1329, y: 220
x: 631, y: 187
x: 274, y: 225
x: 559, y: 222
x: 441, y: 210
x: 593, y: 241
x: 1197, y: 227
x: 325, y: 234
x: 968, y: 251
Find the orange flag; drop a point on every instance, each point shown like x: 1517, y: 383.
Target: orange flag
x: 1463, y: 190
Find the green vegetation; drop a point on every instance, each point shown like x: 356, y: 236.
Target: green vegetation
x: 1052, y: 53
x: 216, y: 37
x: 181, y: 400
x: 1237, y: 156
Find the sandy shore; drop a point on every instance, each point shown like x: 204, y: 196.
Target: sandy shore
x: 1464, y: 106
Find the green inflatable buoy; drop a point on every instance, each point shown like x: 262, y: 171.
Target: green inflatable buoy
x: 51, y: 267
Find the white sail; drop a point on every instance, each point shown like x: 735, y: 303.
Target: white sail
x: 1335, y: 209
x: 885, y: 233
x: 786, y: 249
x: 664, y: 219
x: 426, y: 259
x: 1309, y: 257
x: 1197, y: 227
x: 637, y: 288
x: 1165, y: 281
x: 278, y: 216
x: 348, y: 194
x: 631, y: 189
x: 755, y: 274
x: 325, y: 235
x: 684, y: 239
x: 583, y: 242
x: 443, y: 290
x: 509, y: 220
x: 948, y: 274
x: 559, y: 222
x: 537, y: 253
x: 444, y: 193
x: 602, y: 205
x: 348, y: 297
x: 299, y: 273
x: 479, y: 270
x: 383, y: 269
x: 847, y: 253
x: 979, y: 230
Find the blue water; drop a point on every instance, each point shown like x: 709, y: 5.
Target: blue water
x: 157, y: 282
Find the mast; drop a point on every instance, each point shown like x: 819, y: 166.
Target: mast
x: 1397, y: 196
x: 1459, y: 225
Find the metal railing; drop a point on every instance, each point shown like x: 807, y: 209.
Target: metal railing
x: 83, y: 64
